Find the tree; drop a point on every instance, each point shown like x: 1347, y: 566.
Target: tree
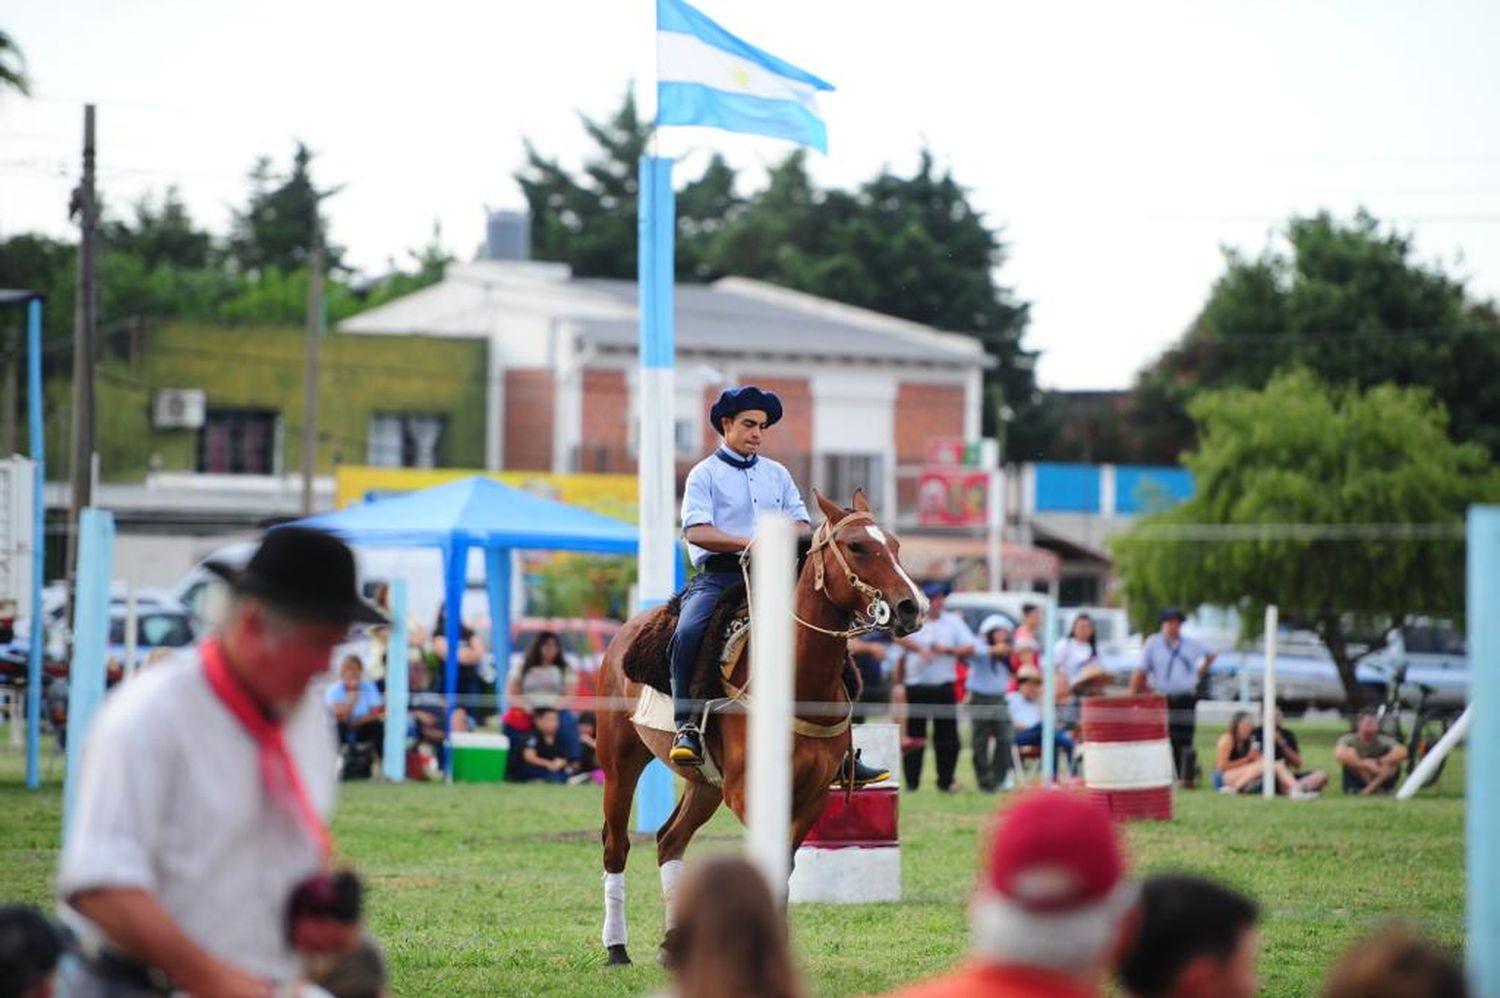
x: 431, y: 261
x: 1375, y: 487
x: 1349, y: 303
x: 13, y: 67
x: 912, y: 247
x: 161, y: 233
x: 277, y: 228
x: 589, y: 223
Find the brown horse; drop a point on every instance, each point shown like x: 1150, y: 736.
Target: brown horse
x: 851, y: 580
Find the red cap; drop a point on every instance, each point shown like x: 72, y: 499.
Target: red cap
x: 1055, y: 851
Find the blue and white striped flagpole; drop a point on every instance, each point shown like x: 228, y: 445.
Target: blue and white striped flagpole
x: 1483, y: 764
x: 656, y: 469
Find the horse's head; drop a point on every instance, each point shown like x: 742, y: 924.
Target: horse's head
x: 857, y: 564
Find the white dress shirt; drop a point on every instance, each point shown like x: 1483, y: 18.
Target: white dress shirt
x: 947, y: 629
x: 170, y: 800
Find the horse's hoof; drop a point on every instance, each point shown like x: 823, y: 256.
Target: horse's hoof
x: 617, y: 956
x: 670, y: 950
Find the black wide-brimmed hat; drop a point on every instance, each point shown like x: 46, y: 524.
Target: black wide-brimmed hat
x: 734, y: 401
x: 1172, y: 613
x: 305, y: 573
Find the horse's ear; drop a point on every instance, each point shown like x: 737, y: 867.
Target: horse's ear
x: 861, y: 504
x: 830, y: 509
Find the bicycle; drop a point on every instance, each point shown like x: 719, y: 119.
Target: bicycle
x: 1429, y: 724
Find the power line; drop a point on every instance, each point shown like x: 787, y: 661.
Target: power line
x: 1294, y: 532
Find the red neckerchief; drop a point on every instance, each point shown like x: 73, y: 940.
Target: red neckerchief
x: 278, y: 772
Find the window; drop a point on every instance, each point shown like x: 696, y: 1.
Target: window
x: 685, y: 436
x: 238, y: 442
x: 405, y: 440
x: 841, y: 474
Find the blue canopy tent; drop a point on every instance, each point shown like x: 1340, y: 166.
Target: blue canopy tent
x: 483, y: 513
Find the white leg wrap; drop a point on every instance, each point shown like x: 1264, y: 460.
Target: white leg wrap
x: 671, y: 875
x: 614, y: 909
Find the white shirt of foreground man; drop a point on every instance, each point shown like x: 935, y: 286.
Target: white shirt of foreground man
x: 171, y: 802
x: 206, y: 789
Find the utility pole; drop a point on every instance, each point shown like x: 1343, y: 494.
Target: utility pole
x: 85, y: 206
x: 310, y: 399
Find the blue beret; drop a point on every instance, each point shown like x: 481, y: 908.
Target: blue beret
x: 734, y: 401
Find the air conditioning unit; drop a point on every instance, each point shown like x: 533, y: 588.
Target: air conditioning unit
x: 179, y: 409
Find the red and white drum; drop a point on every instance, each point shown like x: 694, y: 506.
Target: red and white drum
x: 853, y: 854
x: 1127, y: 758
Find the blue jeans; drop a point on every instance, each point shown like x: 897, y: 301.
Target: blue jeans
x: 1032, y: 737
x: 692, y: 621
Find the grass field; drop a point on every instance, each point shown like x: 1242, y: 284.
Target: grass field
x: 494, y: 890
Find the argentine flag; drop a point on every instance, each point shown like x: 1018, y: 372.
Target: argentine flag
x: 707, y: 76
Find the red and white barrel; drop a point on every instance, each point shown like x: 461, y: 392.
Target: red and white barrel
x: 1127, y: 757
x: 853, y: 854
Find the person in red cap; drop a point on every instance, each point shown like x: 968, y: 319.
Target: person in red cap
x: 1054, y: 913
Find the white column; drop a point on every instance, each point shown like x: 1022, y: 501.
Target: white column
x: 768, y: 803
x: 1268, y: 709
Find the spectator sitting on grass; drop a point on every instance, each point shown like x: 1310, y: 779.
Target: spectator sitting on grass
x: 357, y: 705
x: 425, y: 714
x: 1239, y: 765
x: 1371, y: 759
x: 1287, y: 750
x: 541, y: 753
x: 1396, y: 964
x: 1196, y: 940
x: 29, y: 950
x: 588, y: 757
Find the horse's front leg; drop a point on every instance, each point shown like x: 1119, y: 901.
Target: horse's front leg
x: 698, y: 803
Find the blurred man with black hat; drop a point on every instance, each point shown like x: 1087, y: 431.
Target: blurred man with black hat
x: 206, y: 789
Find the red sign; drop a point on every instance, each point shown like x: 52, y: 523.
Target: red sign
x: 953, y: 497
x: 945, y: 452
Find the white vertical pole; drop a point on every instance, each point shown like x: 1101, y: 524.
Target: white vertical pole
x: 768, y: 804
x: 1418, y: 778
x: 1268, y: 708
x: 1049, y: 693
x: 997, y: 526
x: 1483, y: 763
x: 131, y: 666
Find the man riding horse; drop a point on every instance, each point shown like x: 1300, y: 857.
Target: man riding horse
x: 724, y: 492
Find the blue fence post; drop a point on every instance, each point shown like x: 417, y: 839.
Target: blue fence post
x: 497, y: 568
x: 397, y: 687
x: 1483, y: 764
x: 86, y: 679
x: 38, y: 542
x: 658, y: 550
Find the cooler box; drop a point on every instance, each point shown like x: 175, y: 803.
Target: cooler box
x: 479, y: 758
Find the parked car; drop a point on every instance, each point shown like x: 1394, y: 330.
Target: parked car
x: 160, y: 622
x: 976, y: 605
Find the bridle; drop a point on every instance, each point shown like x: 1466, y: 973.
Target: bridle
x: 877, y: 612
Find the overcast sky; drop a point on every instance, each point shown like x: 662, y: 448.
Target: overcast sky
x: 1119, y: 145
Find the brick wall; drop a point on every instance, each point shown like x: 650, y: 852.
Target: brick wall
x: 528, y: 419
x: 605, y: 445
x: 923, y: 410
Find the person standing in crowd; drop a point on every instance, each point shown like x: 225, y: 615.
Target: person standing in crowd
x: 869, y: 654
x: 1074, y: 652
x: 926, y: 677
x: 989, y: 678
x: 1175, y: 666
x: 1029, y: 631
x: 731, y: 938
x: 1196, y: 940
x: 206, y: 788
x: 1055, y: 912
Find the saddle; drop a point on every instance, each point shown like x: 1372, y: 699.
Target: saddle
x: 647, y: 660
